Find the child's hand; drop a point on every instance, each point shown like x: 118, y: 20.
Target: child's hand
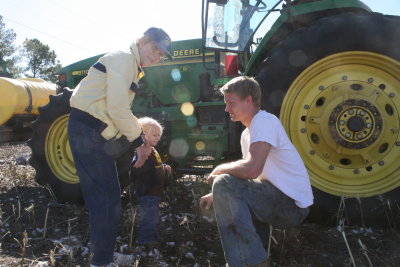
x: 167, y: 169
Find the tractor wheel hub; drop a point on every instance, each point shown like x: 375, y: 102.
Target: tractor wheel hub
x: 355, y: 123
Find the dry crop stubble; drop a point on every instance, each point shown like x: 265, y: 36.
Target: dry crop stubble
x: 58, y: 234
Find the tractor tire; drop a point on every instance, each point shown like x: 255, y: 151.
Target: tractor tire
x: 336, y: 87
x: 51, y: 154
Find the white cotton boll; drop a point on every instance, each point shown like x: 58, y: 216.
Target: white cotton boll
x: 123, y: 259
x: 41, y: 264
x: 189, y: 255
x: 85, y: 251
x: 123, y: 247
x: 155, y: 253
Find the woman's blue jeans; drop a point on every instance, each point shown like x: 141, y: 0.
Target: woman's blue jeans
x: 100, y: 187
x: 235, y: 202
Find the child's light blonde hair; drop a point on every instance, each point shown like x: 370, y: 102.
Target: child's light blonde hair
x: 149, y: 123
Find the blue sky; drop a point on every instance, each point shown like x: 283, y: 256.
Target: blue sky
x: 77, y: 29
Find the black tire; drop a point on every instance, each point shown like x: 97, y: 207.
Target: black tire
x: 51, y: 155
x: 369, y: 44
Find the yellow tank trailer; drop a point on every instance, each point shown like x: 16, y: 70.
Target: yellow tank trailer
x: 19, y: 103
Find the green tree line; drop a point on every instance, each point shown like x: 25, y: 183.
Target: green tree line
x: 32, y: 60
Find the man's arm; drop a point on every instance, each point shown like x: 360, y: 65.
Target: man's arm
x: 249, y: 168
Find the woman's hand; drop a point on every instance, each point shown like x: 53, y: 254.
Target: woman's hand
x: 143, y: 153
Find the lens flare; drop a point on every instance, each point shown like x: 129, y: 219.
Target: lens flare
x: 187, y: 109
x: 180, y: 93
x: 200, y: 145
x: 191, y: 121
x: 178, y: 148
x: 176, y: 75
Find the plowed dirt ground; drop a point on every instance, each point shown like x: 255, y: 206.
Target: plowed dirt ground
x: 36, y: 231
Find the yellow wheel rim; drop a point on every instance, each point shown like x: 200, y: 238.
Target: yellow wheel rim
x: 58, y: 152
x: 342, y: 114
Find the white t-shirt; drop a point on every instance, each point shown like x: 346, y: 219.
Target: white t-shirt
x: 284, y: 167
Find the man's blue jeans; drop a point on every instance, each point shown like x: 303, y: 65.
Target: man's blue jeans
x: 235, y: 201
x: 100, y: 187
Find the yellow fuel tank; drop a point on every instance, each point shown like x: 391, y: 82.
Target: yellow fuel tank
x: 23, y: 96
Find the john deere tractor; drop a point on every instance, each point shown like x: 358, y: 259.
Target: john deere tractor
x: 329, y: 69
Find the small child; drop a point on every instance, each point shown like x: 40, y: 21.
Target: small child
x: 149, y: 182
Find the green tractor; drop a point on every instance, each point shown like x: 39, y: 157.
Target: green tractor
x: 330, y: 70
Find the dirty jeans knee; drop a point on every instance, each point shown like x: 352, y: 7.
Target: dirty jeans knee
x: 149, y: 218
x: 240, y: 241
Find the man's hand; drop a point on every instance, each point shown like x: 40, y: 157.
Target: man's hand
x: 143, y: 153
x: 210, y: 179
x: 218, y: 170
x: 206, y: 202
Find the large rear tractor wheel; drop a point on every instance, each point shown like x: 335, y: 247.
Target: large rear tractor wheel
x: 51, y: 154
x: 338, y: 85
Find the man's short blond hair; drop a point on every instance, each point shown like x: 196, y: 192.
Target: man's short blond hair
x: 149, y: 123
x: 243, y: 86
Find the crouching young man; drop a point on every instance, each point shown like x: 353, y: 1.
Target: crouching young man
x: 268, y: 186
